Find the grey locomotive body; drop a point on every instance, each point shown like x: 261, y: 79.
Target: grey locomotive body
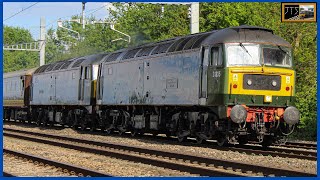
x: 62, y: 91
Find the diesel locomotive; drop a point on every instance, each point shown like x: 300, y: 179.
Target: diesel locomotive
x: 233, y: 85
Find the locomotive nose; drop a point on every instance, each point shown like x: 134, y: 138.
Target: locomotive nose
x: 238, y: 114
x: 291, y: 115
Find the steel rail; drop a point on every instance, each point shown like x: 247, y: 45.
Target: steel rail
x: 71, y: 168
x: 6, y: 174
x: 300, y: 145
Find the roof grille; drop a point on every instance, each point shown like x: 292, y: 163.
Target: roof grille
x: 50, y: 67
x: 58, y: 66
x: 175, y: 44
x: 66, y: 65
x: 42, y: 69
x: 162, y: 48
x: 130, y: 54
x: 182, y: 44
x: 199, y: 41
x: 145, y: 51
x: 113, y: 57
x: 77, y: 63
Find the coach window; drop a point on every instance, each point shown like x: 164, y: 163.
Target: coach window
x: 216, y: 58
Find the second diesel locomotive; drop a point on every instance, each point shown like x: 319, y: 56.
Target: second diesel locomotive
x: 232, y: 85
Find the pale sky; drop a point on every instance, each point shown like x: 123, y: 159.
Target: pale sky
x: 52, y: 11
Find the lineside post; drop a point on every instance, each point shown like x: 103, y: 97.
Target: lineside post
x: 42, y: 40
x: 194, y: 20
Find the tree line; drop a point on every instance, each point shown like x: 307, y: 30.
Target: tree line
x: 148, y: 23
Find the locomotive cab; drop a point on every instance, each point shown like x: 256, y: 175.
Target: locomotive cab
x: 250, y: 82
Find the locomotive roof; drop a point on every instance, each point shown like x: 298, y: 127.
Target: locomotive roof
x: 70, y: 63
x: 243, y: 34
x: 22, y: 72
x: 246, y: 34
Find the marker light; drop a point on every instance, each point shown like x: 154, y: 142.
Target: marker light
x: 235, y: 86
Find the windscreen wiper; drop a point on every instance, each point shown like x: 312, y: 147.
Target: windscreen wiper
x: 245, y: 49
x: 284, y: 51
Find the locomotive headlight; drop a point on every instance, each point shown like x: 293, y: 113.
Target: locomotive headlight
x: 249, y: 82
x: 274, y: 83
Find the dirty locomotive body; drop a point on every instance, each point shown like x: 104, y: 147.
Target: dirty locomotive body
x: 233, y: 85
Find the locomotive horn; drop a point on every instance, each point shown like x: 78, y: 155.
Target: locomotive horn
x: 238, y: 114
x: 291, y: 115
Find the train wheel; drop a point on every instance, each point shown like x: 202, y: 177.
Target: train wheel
x: 51, y: 124
x: 38, y: 122
x: 141, y: 133
x: 154, y: 134
x: 133, y: 133
x: 83, y: 127
x: 199, y: 140
x: 44, y: 122
x: 182, y: 138
x: 222, y: 140
x: 243, y: 140
x: 92, y: 128
x: 168, y: 135
x: 267, y: 141
x: 109, y: 131
x: 120, y: 132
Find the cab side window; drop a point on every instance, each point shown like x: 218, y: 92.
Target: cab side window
x: 216, y: 56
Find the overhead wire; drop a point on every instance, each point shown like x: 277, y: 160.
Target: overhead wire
x: 94, y: 10
x: 21, y: 11
x: 98, y: 9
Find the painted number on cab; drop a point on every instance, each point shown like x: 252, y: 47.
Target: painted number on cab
x: 216, y: 74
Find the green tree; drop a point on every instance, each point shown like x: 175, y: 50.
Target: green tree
x: 16, y: 60
x: 147, y: 23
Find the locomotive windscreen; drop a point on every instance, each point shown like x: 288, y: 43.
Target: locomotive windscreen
x: 276, y: 56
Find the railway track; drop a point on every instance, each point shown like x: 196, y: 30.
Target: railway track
x: 311, y: 146
x: 6, y: 174
x: 276, y: 152
x: 200, y: 165
x: 248, y: 149
x: 42, y: 163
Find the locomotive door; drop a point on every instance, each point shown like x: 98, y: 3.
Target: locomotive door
x: 99, y: 83
x: 141, y: 81
x: 147, y: 83
x: 203, y: 75
x: 215, y: 75
x: 52, y: 90
x: 84, y: 95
